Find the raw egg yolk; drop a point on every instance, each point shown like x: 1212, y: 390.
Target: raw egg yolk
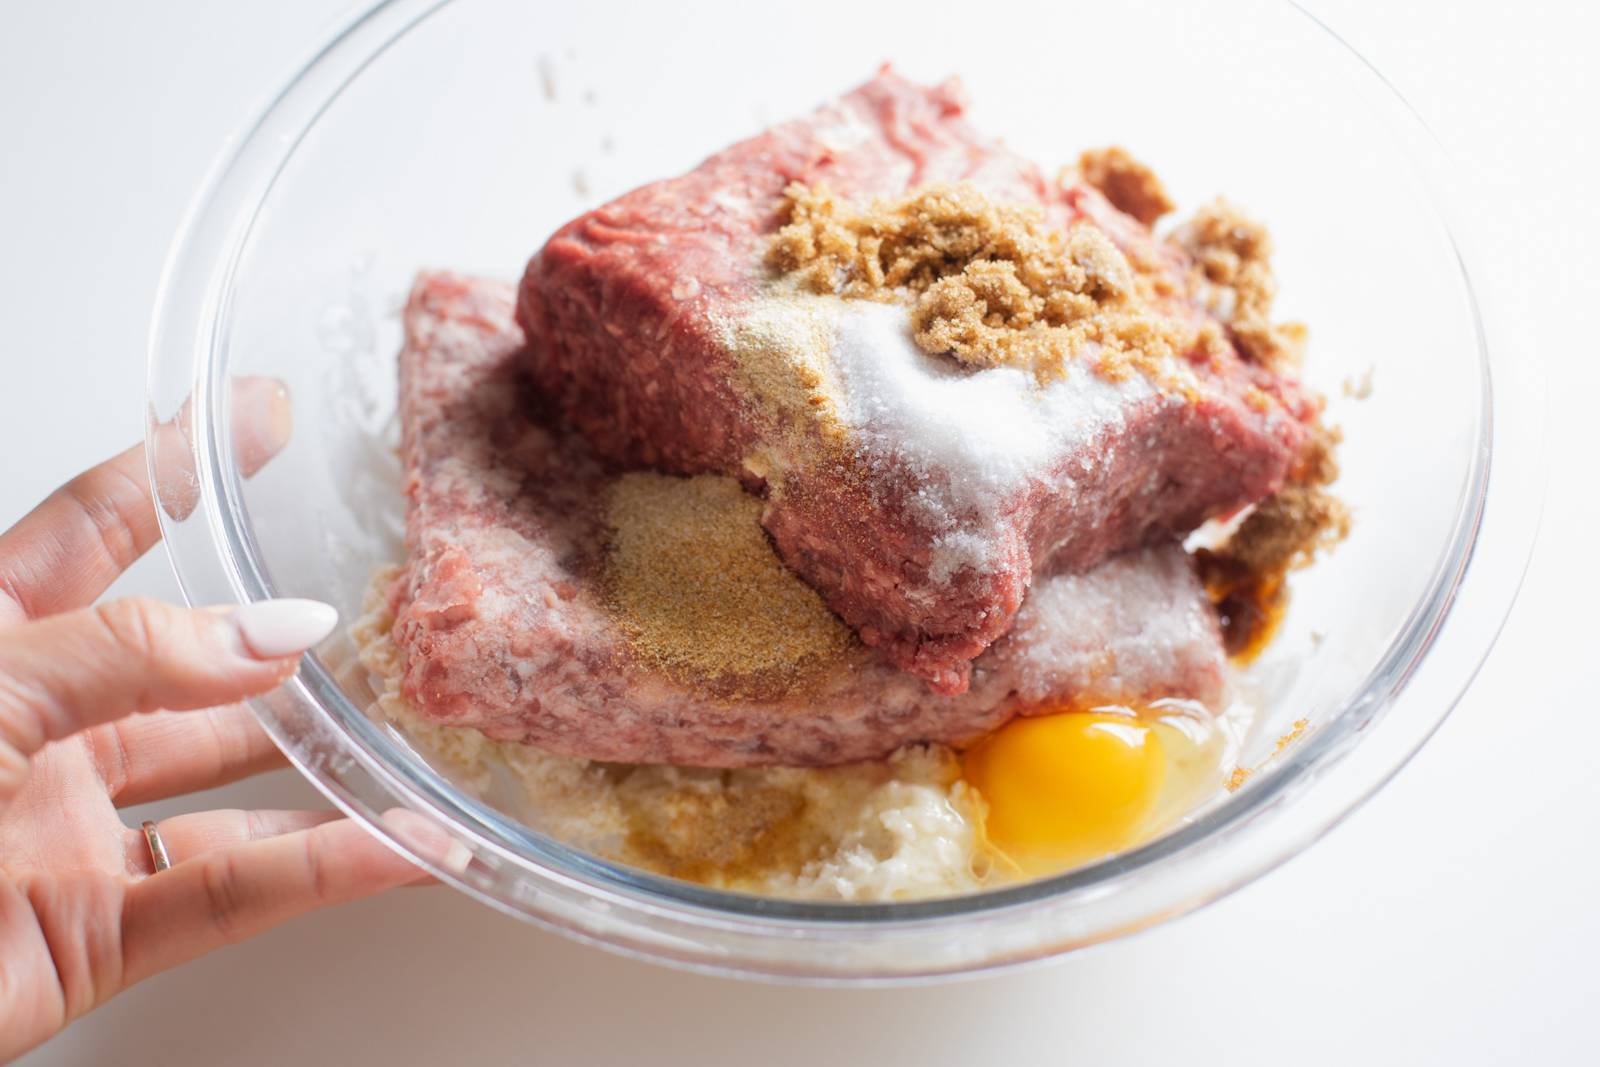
x: 1061, y: 789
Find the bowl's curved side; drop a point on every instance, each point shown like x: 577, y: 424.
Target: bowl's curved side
x: 522, y: 873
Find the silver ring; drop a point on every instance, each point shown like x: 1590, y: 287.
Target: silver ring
x: 158, y: 847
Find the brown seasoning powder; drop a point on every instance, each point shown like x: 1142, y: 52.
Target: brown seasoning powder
x: 698, y: 590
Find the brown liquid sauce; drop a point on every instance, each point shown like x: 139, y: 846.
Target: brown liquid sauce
x: 1250, y: 605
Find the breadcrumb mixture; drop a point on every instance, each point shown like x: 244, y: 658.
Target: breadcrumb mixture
x: 1131, y: 186
x: 991, y: 284
x: 697, y: 588
x: 902, y: 828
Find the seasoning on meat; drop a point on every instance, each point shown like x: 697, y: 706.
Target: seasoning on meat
x: 697, y: 588
x: 507, y: 622
x: 920, y: 495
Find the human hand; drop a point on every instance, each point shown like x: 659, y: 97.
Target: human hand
x: 128, y: 702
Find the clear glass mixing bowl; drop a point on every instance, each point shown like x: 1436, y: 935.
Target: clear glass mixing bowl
x: 459, y: 135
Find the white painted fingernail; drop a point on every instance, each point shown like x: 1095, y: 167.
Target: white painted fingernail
x: 272, y: 629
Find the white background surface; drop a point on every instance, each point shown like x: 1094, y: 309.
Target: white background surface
x: 1454, y: 919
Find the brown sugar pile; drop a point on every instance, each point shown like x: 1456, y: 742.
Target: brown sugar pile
x: 1234, y: 254
x: 1245, y: 575
x: 992, y: 284
x: 698, y: 589
x: 1288, y: 528
x: 1131, y: 186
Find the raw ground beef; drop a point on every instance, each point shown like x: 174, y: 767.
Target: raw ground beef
x: 503, y: 627
x: 627, y: 309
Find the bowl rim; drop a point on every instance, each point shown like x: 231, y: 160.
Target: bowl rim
x: 189, y: 335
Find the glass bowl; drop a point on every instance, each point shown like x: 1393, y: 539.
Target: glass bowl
x: 459, y: 135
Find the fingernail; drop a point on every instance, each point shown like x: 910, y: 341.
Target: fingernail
x: 429, y: 841
x: 262, y: 421
x: 272, y: 629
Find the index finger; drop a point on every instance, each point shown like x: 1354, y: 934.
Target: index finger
x: 65, y: 552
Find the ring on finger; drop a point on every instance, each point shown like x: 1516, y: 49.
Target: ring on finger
x: 158, y: 847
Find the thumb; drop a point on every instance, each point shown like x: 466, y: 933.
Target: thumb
x: 68, y: 672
